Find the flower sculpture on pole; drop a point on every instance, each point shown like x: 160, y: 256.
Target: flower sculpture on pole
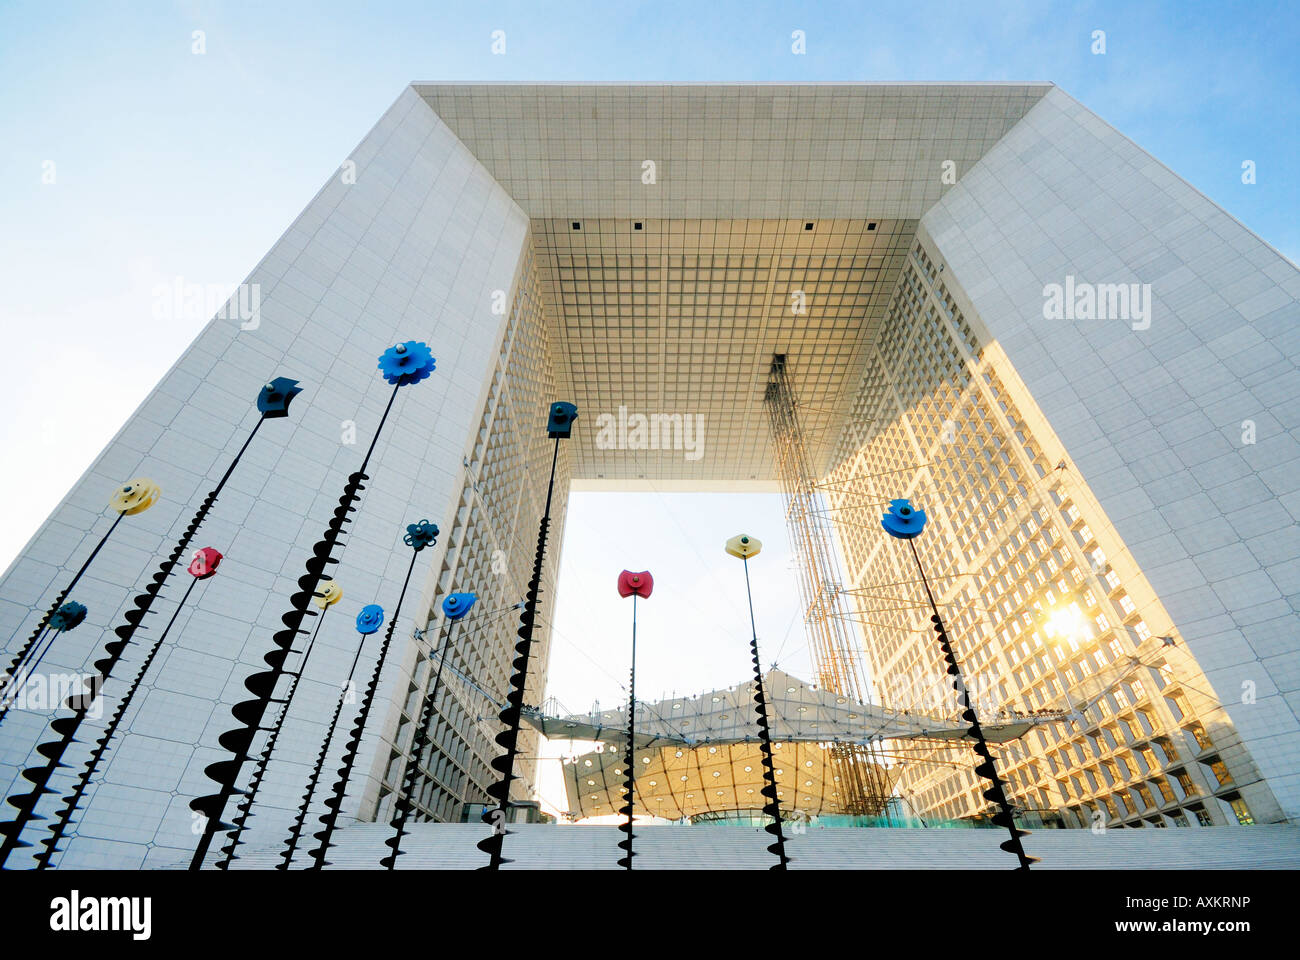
x: 401, y: 364
x: 369, y: 620
x: 272, y: 403
x: 559, y: 426
x: 743, y: 547
x: 131, y: 498
x: 418, y: 536
x: 454, y: 609
x: 203, y: 566
x: 631, y: 585
x: 66, y: 617
x: 328, y: 594
x: 905, y: 522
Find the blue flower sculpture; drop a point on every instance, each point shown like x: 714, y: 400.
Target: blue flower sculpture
x: 903, y: 520
x: 421, y: 535
x: 408, y: 362
x: 370, y: 619
x: 68, y: 616
x: 458, y: 604
x: 273, y: 400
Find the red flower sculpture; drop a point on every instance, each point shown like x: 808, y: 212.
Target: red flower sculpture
x: 639, y: 583
x: 205, y: 563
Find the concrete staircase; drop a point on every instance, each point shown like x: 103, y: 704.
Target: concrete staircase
x: 451, y: 846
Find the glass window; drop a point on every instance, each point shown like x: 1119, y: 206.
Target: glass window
x: 1166, y: 791
x: 1241, y: 811
x: 1220, y: 771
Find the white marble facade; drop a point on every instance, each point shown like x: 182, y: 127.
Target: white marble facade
x: 439, y: 218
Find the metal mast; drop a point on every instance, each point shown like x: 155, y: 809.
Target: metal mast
x: 835, y: 652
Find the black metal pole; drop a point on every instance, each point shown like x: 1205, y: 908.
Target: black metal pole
x: 772, y: 808
x: 334, y: 803
x: 403, y: 805
x: 58, y: 602
x: 238, y: 741
x: 80, y: 704
x: 101, y: 745
x: 264, y: 761
x: 511, y: 714
x: 10, y: 683
x: 1004, y: 817
x: 629, y: 758
x: 295, y: 832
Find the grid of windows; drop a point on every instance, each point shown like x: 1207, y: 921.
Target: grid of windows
x: 1042, y: 622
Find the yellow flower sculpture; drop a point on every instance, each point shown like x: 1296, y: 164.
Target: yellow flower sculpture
x: 135, y: 496
x: 330, y: 594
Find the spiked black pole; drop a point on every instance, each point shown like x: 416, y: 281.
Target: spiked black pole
x: 629, y: 758
x: 299, y: 822
x: 328, y: 595
x: 455, y: 606
x: 403, y: 806
x: 401, y: 364
x: 905, y: 522
x: 272, y: 402
x: 419, y: 535
x: 559, y: 427
x: 986, y: 768
x: 746, y: 548
x: 10, y: 679
x: 71, y: 802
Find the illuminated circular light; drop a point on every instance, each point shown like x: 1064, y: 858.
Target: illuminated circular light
x: 713, y: 749
x: 789, y: 689
x: 591, y: 783
x: 683, y: 779
x: 717, y: 699
x: 690, y: 796
x: 679, y: 753
x: 837, y: 779
x: 750, y: 790
x: 807, y: 783
x: 803, y: 709
x: 717, y: 773
x: 645, y: 759
x: 593, y: 796
x: 749, y: 769
x: 654, y: 783
x: 677, y: 706
x: 779, y: 772
x: 587, y: 762
x: 719, y: 793
x: 840, y: 700
x: 618, y: 773
x: 808, y: 764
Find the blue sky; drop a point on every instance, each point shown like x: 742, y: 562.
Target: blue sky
x: 171, y: 164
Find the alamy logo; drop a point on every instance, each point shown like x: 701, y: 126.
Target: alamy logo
x: 200, y: 301
x: 656, y: 431
x: 75, y: 913
x: 1078, y: 300
x: 48, y: 691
